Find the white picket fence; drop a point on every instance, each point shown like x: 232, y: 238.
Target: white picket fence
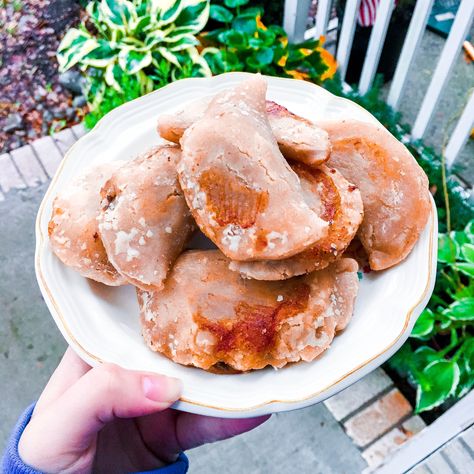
x: 295, y: 19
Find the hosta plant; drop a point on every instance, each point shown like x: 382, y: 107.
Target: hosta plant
x: 244, y: 43
x: 439, y: 357
x: 152, y: 40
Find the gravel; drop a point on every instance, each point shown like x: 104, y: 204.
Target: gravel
x: 33, y: 101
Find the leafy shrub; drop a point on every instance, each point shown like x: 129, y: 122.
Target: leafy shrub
x: 131, y: 89
x: 439, y: 358
x: 152, y: 40
x: 244, y: 43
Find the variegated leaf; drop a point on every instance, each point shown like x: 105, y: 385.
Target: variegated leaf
x: 111, y: 73
x: 118, y: 13
x: 194, y: 14
x: 183, y: 43
x: 168, y: 11
x: 172, y: 58
x: 100, y: 57
x: 132, y: 61
x: 74, y: 47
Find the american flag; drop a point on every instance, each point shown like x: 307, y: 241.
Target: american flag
x: 367, y: 12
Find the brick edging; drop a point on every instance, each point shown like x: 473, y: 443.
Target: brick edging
x: 35, y: 163
x: 376, y: 416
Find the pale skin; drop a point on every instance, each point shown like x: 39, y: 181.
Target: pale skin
x: 108, y: 419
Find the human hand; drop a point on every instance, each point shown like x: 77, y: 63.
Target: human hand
x: 109, y: 419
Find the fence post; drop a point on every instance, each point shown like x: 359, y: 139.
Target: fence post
x: 295, y: 18
x: 347, y: 35
x: 450, y: 53
x: 460, y: 133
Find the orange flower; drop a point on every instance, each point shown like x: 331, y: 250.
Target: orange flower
x: 328, y: 58
x: 295, y: 74
x: 260, y: 24
x: 282, y: 61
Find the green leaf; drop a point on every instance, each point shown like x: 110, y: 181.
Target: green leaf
x: 169, y: 10
x: 233, y: 38
x: 117, y: 13
x: 245, y: 24
x: 468, y: 252
x: 100, y: 57
x: 466, y: 268
x: 424, y: 356
x: 194, y: 14
x: 221, y: 14
x: 255, y: 43
x: 172, y: 58
x: 424, y: 324
x: 183, y: 43
x: 235, y: 3
x: 469, y: 230
x: 448, y: 249
x: 264, y: 56
x: 112, y: 76
x: 460, y: 237
x: 461, y: 310
x: 74, y: 47
x: 441, y: 378
x: 132, y: 61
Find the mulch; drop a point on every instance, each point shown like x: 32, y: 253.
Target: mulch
x: 32, y: 101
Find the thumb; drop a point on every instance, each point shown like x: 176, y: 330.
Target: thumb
x: 69, y: 425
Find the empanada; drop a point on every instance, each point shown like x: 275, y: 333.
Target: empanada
x: 393, y: 186
x: 145, y: 222
x: 73, y: 229
x: 298, y: 138
x: 240, y: 189
x: 336, y: 201
x: 208, y: 316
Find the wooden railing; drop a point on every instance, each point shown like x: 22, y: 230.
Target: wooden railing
x: 295, y: 20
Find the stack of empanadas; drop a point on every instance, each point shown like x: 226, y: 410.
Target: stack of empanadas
x: 279, y: 196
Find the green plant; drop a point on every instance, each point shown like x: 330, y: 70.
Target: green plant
x: 244, y: 43
x: 112, y: 98
x: 439, y: 357
x: 152, y: 40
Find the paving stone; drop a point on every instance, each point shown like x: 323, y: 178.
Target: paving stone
x: 29, y: 166
x: 79, y: 130
x: 350, y: 399
x: 48, y: 154
x: 307, y: 441
x: 377, y: 418
x: 458, y: 456
x: 64, y: 140
x: 9, y: 176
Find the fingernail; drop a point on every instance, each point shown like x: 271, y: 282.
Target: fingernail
x: 161, y: 388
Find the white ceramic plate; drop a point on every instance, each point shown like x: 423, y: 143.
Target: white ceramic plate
x: 101, y: 323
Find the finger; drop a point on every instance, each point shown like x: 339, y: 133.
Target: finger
x: 70, y: 423
x: 194, y: 430
x: 69, y: 371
